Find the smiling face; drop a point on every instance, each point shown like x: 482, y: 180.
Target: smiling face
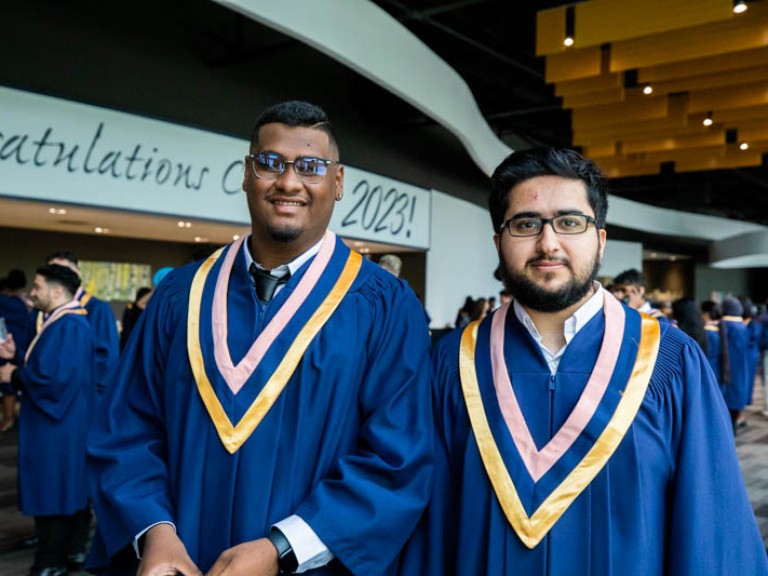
x: 289, y: 215
x: 550, y: 272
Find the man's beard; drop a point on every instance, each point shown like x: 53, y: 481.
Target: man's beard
x: 531, y: 295
x: 284, y: 234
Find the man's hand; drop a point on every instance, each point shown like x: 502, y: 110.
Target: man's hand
x: 165, y: 555
x: 5, y: 372
x: 255, y: 558
x: 8, y: 348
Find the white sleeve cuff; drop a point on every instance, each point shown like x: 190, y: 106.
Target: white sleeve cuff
x: 140, y: 534
x: 310, y: 551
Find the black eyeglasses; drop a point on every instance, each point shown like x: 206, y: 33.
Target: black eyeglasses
x: 269, y: 165
x: 522, y: 226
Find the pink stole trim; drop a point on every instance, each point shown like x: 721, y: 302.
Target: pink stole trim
x: 538, y: 463
x: 237, y: 376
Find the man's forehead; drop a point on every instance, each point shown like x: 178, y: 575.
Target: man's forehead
x: 276, y: 133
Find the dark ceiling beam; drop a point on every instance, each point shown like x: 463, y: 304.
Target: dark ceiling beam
x: 471, y: 41
x: 450, y: 7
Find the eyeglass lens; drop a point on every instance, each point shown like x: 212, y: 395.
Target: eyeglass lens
x: 532, y: 225
x: 270, y: 165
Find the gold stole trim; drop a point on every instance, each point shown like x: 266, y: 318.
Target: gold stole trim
x: 532, y: 530
x: 233, y: 437
x: 78, y: 311
x: 85, y: 298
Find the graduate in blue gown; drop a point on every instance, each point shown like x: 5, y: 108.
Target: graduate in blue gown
x: 576, y: 435
x: 14, y: 311
x: 245, y: 431
x: 57, y: 378
x: 100, y: 317
x: 737, y: 386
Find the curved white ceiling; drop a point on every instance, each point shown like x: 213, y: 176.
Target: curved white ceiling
x: 363, y: 37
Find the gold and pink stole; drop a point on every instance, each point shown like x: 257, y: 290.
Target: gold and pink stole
x: 531, y: 530
x: 81, y: 296
x: 236, y: 376
x: 71, y: 307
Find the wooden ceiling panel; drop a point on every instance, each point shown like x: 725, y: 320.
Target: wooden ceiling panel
x: 573, y: 65
x: 697, y: 60
x: 703, y: 66
x: 601, y: 21
x: 734, y: 35
x: 550, y: 31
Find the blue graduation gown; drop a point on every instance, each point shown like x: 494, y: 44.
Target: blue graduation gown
x: 16, y: 315
x: 754, y: 331
x: 736, y: 392
x: 347, y: 446
x: 59, y: 392
x: 670, y: 500
x: 106, y: 338
x: 713, y: 350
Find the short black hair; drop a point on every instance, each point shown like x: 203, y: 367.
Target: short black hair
x: 295, y: 113
x: 16, y: 279
x: 546, y: 161
x: 63, y: 255
x: 633, y: 277
x: 61, y: 275
x: 712, y: 308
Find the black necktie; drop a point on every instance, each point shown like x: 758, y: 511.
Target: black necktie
x: 266, y: 284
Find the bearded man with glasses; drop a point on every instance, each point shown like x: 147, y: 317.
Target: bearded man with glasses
x: 274, y: 413
x: 576, y: 435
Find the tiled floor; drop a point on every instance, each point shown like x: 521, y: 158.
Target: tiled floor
x: 751, y: 441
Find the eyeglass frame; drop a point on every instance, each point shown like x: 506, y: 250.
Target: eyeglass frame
x: 252, y: 158
x: 551, y: 221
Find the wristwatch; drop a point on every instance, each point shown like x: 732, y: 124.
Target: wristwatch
x: 286, y: 559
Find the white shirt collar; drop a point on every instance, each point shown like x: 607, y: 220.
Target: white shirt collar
x: 646, y: 307
x: 572, y: 325
x: 292, y: 266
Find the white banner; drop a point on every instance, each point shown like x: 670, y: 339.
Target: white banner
x: 61, y: 151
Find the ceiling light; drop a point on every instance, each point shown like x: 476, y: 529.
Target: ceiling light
x: 100, y: 230
x: 708, y: 119
x: 568, y: 41
x: 183, y: 224
x: 648, y: 89
x: 57, y: 211
x: 743, y: 146
x: 673, y: 258
x: 235, y: 236
x: 739, y: 7
x: 654, y: 255
x: 201, y: 239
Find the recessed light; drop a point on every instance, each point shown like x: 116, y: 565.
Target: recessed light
x: 648, y: 89
x: 740, y: 7
x: 236, y: 237
x: 201, y: 239
x: 568, y: 42
x: 743, y: 146
x: 101, y: 230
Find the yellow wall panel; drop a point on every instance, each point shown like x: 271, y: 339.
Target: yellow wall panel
x: 714, y: 80
x: 708, y: 138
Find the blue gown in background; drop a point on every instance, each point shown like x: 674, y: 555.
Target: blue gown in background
x: 14, y: 311
x: 347, y: 446
x: 755, y: 333
x: 59, y: 392
x: 737, y: 391
x: 106, y: 338
x: 713, y: 350
x: 670, y: 500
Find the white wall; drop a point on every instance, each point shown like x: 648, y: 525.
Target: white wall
x: 620, y: 256
x: 461, y: 260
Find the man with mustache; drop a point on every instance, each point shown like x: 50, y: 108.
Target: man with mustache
x: 57, y: 376
x: 272, y: 414
x: 575, y: 435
